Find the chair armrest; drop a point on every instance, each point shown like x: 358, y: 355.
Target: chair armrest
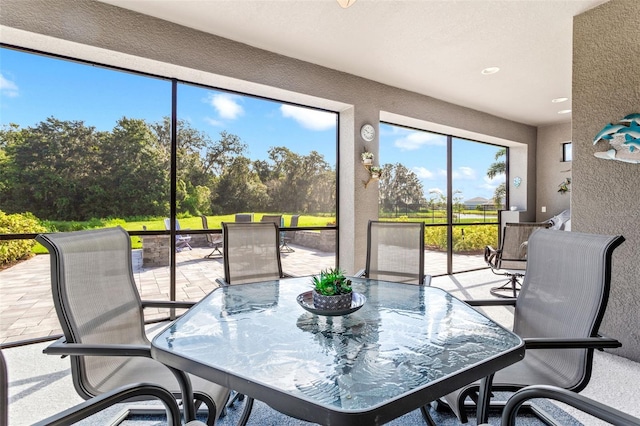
x: 587, y: 405
x: 491, y: 256
x: 106, y: 400
x: 427, y: 280
x: 510, y: 301
x: 221, y: 282
x: 61, y: 347
x: 360, y: 273
x: 167, y: 304
x: 571, y: 343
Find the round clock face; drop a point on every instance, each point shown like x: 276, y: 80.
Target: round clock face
x: 517, y: 181
x: 368, y: 132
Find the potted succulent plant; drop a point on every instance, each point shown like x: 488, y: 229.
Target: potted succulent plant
x: 375, y: 172
x: 367, y: 157
x: 332, y: 290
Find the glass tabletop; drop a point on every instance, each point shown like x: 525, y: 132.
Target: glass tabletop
x: 405, y: 340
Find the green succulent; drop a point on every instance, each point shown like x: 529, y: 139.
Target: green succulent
x: 332, y: 282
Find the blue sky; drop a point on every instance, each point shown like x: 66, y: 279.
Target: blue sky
x: 34, y: 87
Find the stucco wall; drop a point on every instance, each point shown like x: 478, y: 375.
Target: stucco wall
x: 551, y: 171
x: 110, y: 35
x: 606, y: 194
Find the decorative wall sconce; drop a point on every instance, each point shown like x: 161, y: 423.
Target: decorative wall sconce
x: 564, y: 186
x: 374, y: 171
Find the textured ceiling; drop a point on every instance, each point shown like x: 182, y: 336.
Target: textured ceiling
x: 433, y: 47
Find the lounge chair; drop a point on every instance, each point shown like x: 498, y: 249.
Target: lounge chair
x: 101, y: 315
x: 182, y: 241
x: 557, y: 314
x: 395, y: 252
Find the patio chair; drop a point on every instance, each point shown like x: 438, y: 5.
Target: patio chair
x: 101, y: 315
x: 557, y: 314
x: 244, y: 217
x: 96, y: 404
x: 511, y: 258
x: 213, y: 240
x: 582, y: 403
x: 182, y: 241
x: 251, y: 252
x: 395, y: 252
x: 275, y: 218
x: 287, y: 236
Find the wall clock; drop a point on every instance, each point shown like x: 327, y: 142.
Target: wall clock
x: 368, y: 132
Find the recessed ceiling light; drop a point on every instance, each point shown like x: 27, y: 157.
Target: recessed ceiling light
x: 558, y: 100
x: 564, y: 111
x: 490, y: 70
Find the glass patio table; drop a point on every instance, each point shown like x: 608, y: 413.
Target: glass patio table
x: 407, y: 346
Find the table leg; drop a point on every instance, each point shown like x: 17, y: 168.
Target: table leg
x: 187, y: 394
x: 484, y: 398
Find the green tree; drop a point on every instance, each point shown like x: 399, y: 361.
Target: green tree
x: 239, y: 189
x: 399, y: 187
x: 499, y: 167
x: 50, y: 169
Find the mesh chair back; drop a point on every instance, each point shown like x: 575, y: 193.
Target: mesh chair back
x: 244, y: 217
x: 275, y: 218
x: 251, y: 252
x: 95, y: 297
x: 514, y: 244
x: 395, y: 251
x: 564, y: 294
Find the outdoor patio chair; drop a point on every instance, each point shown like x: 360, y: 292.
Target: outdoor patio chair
x: 213, y: 240
x: 395, y: 252
x: 244, y: 217
x: 287, y: 236
x: 557, y: 314
x: 275, y: 218
x: 101, y: 315
x: 582, y: 403
x: 182, y: 241
x: 251, y: 252
x: 511, y: 258
x: 96, y: 404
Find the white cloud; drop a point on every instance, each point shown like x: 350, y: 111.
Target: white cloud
x: 416, y: 140
x: 213, y: 122
x: 423, y: 173
x: 8, y: 88
x: 311, y: 119
x: 497, y: 180
x: 464, y: 173
x: 226, y: 105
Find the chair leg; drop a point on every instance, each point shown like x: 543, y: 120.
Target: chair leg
x: 512, y: 286
x: 284, y: 248
x: 216, y: 252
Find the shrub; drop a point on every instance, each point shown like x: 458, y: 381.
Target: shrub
x: 475, y: 238
x: 25, y: 223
